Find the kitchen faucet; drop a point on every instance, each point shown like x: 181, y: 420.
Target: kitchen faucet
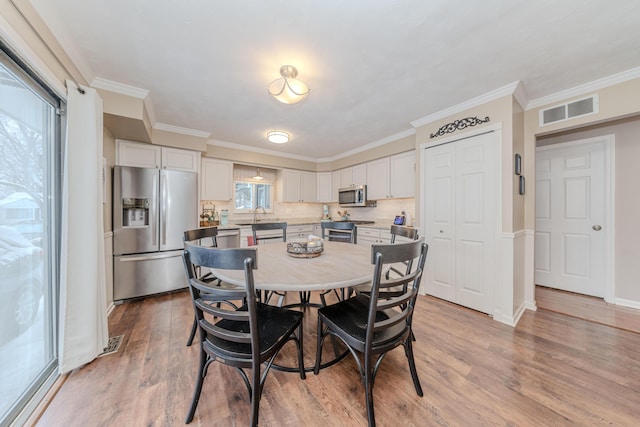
x: 255, y: 213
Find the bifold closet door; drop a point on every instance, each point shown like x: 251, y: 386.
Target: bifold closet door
x: 460, y: 211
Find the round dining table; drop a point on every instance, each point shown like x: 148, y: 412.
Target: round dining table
x: 340, y: 265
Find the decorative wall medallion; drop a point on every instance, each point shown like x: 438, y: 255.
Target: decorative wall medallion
x: 458, y: 125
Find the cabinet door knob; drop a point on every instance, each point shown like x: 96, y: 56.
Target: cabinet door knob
x: 597, y: 227
x: 441, y: 231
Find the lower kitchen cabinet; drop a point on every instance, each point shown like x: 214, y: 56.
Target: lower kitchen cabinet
x: 299, y: 232
x: 372, y: 236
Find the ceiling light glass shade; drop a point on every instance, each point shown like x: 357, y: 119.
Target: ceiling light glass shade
x: 258, y: 177
x: 278, y: 137
x: 288, y: 89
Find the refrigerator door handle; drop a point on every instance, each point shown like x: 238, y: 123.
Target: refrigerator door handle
x: 130, y: 258
x: 163, y: 208
x: 154, y: 230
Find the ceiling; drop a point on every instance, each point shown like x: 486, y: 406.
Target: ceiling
x: 372, y: 66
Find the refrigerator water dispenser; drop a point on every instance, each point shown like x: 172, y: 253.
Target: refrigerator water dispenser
x: 135, y: 212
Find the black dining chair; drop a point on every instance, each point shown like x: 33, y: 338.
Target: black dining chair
x: 339, y: 231
x: 206, y: 237
x: 244, y: 338
x: 370, y: 326
x: 403, y: 231
x: 282, y: 237
x: 269, y: 226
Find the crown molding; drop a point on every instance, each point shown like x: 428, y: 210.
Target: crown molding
x: 180, y: 130
x: 520, y: 94
x: 121, y: 88
x: 509, y: 89
x: 595, y: 85
x: 148, y: 106
x: 383, y: 141
x: 370, y: 145
x: 233, y: 145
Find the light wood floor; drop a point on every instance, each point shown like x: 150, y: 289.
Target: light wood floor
x: 588, y: 308
x: 551, y: 370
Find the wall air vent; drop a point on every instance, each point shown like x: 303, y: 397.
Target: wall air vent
x: 570, y: 110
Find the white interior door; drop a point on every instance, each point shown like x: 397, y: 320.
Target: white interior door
x: 439, y: 191
x: 570, y: 239
x: 460, y: 193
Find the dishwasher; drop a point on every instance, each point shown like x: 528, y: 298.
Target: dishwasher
x: 228, y: 238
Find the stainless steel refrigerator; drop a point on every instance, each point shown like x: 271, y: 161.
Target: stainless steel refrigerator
x: 151, y: 210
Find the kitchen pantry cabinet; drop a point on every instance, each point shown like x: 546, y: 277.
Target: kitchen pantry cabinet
x: 297, y: 186
x: 391, y: 177
x: 324, y: 187
x: 142, y: 155
x: 216, y: 181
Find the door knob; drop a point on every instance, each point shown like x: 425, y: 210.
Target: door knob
x: 441, y: 231
x: 597, y: 227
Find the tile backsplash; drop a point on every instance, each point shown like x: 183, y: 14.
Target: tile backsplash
x: 386, y: 210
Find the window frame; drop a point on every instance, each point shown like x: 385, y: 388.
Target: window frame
x: 52, y: 224
x: 254, y: 196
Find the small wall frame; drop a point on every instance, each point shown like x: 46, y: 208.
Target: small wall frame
x: 518, y: 164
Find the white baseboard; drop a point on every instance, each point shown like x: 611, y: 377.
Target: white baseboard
x: 627, y: 303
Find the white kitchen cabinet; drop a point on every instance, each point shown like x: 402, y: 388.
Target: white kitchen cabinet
x: 324, y: 187
x: 353, y: 175
x: 142, y: 155
x: 298, y: 186
x: 216, y: 180
x: 180, y: 160
x: 245, y: 234
x: 402, y: 175
x: 391, y: 177
x: 138, y: 154
x: 336, y: 184
x: 299, y: 232
x: 368, y: 236
x: 378, y: 179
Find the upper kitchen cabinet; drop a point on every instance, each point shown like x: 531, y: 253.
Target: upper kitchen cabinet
x: 336, y: 184
x: 180, y: 160
x: 297, y: 186
x: 216, y: 180
x: 353, y: 175
x: 154, y: 156
x: 138, y: 155
x: 402, y: 174
x: 391, y: 177
x: 378, y: 179
x: 324, y: 187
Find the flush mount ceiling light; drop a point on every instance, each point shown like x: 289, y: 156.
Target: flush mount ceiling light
x: 288, y: 89
x: 258, y: 177
x: 278, y: 137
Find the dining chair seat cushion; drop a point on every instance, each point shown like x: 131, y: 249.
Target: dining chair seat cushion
x: 348, y: 319
x: 275, y: 324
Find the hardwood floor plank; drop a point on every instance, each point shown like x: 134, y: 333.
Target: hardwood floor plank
x: 588, y: 308
x: 549, y: 370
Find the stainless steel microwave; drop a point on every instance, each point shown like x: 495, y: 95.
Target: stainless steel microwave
x: 353, y: 196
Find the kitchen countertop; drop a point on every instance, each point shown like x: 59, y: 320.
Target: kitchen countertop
x: 381, y: 224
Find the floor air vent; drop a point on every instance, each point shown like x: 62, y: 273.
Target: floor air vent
x: 570, y: 110
x: 113, y: 346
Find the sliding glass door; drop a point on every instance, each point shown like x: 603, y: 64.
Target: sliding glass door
x: 30, y: 134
